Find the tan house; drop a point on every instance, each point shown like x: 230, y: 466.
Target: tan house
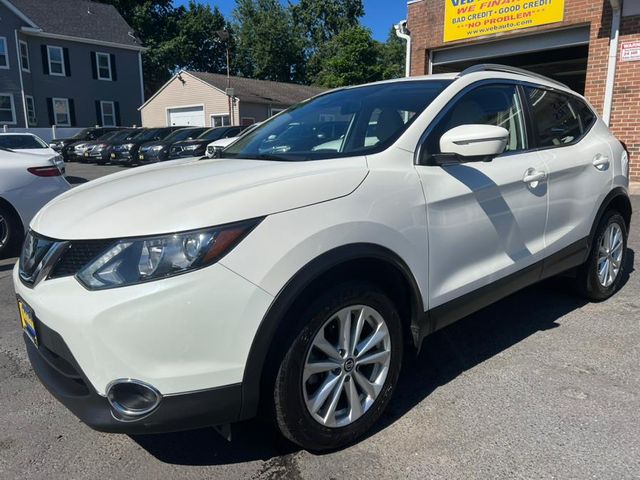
x: 200, y: 99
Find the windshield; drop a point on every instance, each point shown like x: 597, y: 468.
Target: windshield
x: 19, y: 142
x: 107, y: 136
x: 146, y: 135
x: 184, y: 134
x: 348, y: 122
x: 82, y: 133
x: 212, y: 134
x: 125, y: 135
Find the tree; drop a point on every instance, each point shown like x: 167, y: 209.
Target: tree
x: 350, y: 58
x: 155, y: 23
x: 269, y: 45
x: 321, y: 20
x: 197, y: 45
x: 393, y: 56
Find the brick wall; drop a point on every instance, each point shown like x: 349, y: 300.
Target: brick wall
x: 426, y: 23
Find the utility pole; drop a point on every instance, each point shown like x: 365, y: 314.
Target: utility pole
x: 224, y: 36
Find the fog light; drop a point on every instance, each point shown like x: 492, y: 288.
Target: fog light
x: 132, y: 399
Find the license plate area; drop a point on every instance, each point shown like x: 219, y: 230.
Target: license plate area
x: 27, y: 320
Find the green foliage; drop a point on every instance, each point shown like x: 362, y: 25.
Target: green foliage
x: 269, y: 44
x: 197, y: 45
x: 311, y: 41
x: 321, y: 20
x: 350, y: 58
x: 392, y: 57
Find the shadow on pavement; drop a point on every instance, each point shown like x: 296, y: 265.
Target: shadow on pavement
x: 444, y: 355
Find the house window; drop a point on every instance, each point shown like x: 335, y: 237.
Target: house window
x: 31, y: 110
x: 4, y: 53
x: 24, y: 56
x: 220, y: 120
x: 61, y: 113
x: 103, y: 64
x: 108, y: 114
x: 56, y: 61
x: 275, y: 111
x: 7, y: 109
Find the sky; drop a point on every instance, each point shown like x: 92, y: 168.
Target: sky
x: 379, y: 14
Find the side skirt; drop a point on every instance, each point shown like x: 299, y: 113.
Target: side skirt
x: 569, y: 257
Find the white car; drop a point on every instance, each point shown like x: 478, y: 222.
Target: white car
x: 27, y: 183
x: 217, y: 146
x: 192, y: 292
x: 30, y: 143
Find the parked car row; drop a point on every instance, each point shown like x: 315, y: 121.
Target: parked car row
x: 137, y: 146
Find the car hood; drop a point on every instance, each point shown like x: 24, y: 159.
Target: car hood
x: 189, y: 194
x: 186, y: 143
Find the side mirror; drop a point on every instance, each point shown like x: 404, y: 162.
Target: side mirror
x: 473, y: 143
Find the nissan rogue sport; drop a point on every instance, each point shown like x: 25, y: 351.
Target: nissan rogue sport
x: 291, y: 273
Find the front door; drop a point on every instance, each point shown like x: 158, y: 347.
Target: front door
x: 486, y: 220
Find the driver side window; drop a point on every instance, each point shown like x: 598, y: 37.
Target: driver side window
x: 497, y: 105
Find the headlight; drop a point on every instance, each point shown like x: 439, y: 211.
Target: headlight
x: 137, y: 260
x: 99, y: 148
x: 128, y: 146
x: 157, y: 148
x: 190, y: 148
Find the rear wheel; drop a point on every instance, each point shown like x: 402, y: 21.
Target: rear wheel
x: 600, y: 277
x: 338, y: 375
x: 10, y: 232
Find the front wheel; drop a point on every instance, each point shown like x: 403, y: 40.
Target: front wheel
x: 601, y: 276
x: 10, y: 232
x: 340, y: 372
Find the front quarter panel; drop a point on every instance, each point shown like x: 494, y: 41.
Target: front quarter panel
x: 386, y: 210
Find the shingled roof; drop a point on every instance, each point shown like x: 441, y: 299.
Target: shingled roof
x: 78, y: 18
x: 260, y: 91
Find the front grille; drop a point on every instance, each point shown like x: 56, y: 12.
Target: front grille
x: 77, y: 255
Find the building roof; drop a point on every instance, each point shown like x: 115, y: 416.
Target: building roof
x: 260, y: 91
x: 78, y: 18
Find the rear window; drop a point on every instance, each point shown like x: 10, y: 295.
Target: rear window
x: 559, y: 119
x: 21, y: 142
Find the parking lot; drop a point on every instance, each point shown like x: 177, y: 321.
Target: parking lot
x: 540, y: 385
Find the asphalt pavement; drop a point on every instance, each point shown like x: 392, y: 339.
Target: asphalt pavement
x: 540, y: 385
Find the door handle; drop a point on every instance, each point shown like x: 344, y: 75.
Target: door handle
x: 533, y: 177
x: 601, y: 161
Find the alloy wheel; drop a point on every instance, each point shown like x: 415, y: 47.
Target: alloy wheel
x: 610, y: 254
x: 346, y: 366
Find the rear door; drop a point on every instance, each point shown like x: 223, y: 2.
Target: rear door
x: 571, y: 141
x: 485, y: 220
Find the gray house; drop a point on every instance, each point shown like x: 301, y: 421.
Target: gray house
x: 70, y: 63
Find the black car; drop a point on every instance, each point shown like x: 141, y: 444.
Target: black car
x: 62, y: 145
x: 158, y: 151
x: 198, y: 146
x: 76, y: 151
x: 100, y: 152
x: 127, y: 153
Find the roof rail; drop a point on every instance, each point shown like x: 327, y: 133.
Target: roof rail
x: 494, y: 67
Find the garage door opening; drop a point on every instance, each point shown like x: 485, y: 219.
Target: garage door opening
x: 561, y: 55
x: 185, y: 117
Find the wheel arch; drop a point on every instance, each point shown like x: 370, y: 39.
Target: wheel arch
x: 617, y: 198
x: 5, y: 203
x: 369, y: 262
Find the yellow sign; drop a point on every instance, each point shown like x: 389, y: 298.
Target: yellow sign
x: 475, y: 18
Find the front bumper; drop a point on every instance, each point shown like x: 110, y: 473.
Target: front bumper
x: 124, y: 157
x: 188, y: 336
x: 58, y: 370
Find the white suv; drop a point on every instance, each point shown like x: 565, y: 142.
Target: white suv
x: 294, y: 271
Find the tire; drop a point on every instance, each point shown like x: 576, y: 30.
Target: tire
x: 589, y: 282
x: 292, y: 394
x: 10, y: 232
